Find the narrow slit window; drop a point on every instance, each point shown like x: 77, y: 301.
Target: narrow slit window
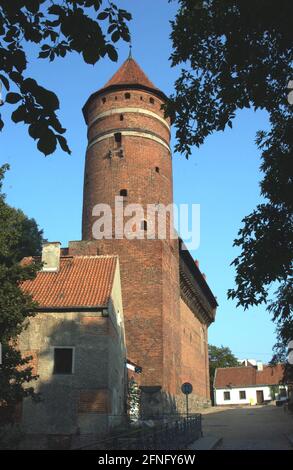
x: 144, y: 225
x: 104, y: 100
x: 157, y: 169
x: 118, y: 137
x: 63, y: 361
x: 123, y: 192
x: 121, y: 117
x: 127, y: 96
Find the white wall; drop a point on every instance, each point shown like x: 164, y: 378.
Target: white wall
x: 235, y: 396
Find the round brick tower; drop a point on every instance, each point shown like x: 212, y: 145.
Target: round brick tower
x: 128, y: 155
x: 128, y: 151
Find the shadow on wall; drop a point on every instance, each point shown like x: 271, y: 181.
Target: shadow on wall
x: 82, y: 383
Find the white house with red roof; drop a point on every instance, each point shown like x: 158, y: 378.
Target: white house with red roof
x: 249, y: 384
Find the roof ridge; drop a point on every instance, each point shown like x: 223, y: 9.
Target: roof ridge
x: 90, y: 256
x: 237, y: 367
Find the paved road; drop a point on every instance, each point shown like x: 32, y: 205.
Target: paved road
x: 256, y: 428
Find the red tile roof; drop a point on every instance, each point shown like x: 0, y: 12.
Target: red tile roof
x: 130, y: 73
x: 248, y: 376
x: 82, y: 281
x: 129, y: 76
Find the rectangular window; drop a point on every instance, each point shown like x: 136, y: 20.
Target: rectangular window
x: 242, y: 395
x: 63, y: 360
x: 226, y: 396
x: 118, y: 137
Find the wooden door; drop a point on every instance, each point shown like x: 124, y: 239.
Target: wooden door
x: 259, y: 397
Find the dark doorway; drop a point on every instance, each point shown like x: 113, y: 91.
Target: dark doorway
x: 259, y: 397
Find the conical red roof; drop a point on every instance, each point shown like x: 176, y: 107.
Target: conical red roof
x: 130, y: 73
x: 130, y: 76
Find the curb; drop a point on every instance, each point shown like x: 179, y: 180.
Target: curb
x: 205, y: 443
x: 290, y: 438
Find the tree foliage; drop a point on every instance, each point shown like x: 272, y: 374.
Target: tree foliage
x: 57, y: 28
x: 238, y: 54
x: 19, y: 237
x: 220, y: 356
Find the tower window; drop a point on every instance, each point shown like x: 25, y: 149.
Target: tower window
x: 157, y: 169
x: 144, y: 225
x: 152, y: 101
x: 118, y: 137
x: 116, y: 98
x: 121, y: 117
x: 127, y: 96
x: 141, y: 98
x: 123, y: 192
x: 63, y: 360
x: 104, y: 100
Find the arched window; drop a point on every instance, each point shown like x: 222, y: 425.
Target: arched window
x: 123, y: 192
x: 104, y: 100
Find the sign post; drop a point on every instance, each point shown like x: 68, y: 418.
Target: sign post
x: 186, y: 388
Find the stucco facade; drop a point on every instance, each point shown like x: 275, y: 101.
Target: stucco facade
x: 253, y: 385
x: 76, y: 407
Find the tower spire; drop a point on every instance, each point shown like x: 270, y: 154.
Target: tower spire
x: 130, y: 51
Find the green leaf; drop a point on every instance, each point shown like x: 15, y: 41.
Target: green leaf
x: 5, y: 81
x: 115, y: 36
x: 112, y: 53
x: 63, y: 144
x: 91, y: 54
x: 37, y: 129
x: 56, y: 10
x: 103, y: 15
x: 13, y: 98
x: 47, y: 143
x: 19, y: 114
x: 43, y: 54
x: 127, y: 16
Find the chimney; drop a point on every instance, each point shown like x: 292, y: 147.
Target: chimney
x: 259, y: 365
x: 51, y: 256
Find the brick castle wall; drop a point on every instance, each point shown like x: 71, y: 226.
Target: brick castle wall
x: 149, y: 268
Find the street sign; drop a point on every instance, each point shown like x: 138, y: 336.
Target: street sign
x: 186, y: 388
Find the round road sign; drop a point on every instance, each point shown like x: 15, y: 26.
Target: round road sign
x: 186, y: 388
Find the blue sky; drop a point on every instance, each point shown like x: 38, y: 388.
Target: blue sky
x: 222, y: 176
